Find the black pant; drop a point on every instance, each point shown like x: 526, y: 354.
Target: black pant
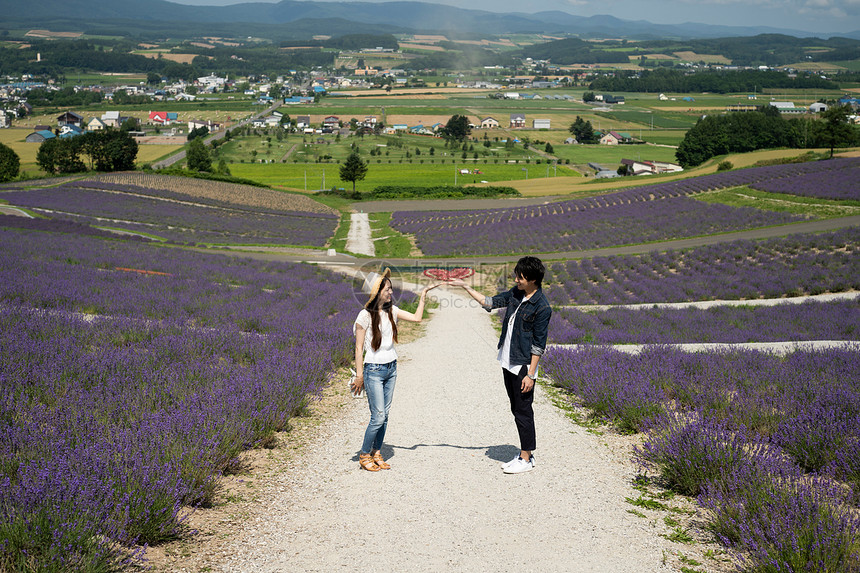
x: 521, y: 407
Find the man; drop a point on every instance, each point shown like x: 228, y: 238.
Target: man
x: 522, y: 342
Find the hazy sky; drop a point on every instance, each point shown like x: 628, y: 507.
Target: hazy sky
x: 821, y: 16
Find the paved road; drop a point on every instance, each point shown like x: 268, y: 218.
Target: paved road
x: 316, y: 256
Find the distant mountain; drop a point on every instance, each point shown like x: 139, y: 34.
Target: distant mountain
x: 388, y: 16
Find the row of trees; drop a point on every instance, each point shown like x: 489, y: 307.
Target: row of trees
x: 765, y: 129
x: 108, y: 150
x: 678, y: 81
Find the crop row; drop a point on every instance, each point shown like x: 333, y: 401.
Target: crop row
x: 221, y: 192
x: 171, y: 218
x: 841, y: 184
x: 641, y: 214
x: 730, y: 324
x: 769, y: 445
x: 120, y: 421
x: 617, y: 224
x: 795, y: 265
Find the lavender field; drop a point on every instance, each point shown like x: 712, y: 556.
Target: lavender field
x: 175, y: 216
x: 725, y: 324
x: 643, y: 214
x: 770, y: 446
x: 795, y: 265
x: 840, y: 184
x: 121, y: 420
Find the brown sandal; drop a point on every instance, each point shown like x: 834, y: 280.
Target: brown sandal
x: 381, y: 463
x: 365, y: 461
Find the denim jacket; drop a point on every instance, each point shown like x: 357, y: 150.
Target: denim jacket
x: 530, y: 323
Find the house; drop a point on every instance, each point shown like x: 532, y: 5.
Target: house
x: 303, y: 121
x: 610, y: 138
x: 609, y: 98
x: 96, y: 124
x: 5, y: 119
x: 640, y: 167
x: 163, y: 117
x: 40, y: 136
x: 787, y: 107
x: 296, y: 100
x: 570, y: 141
x: 111, y: 119
x: 817, y: 107
x: 518, y: 120
x: 70, y: 118
x: 615, y: 138
x: 70, y: 131
x: 489, y: 123
x: 541, y: 124
x: 210, y: 125
x: 331, y: 121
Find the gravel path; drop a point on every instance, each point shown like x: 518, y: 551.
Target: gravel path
x: 359, y: 238
x: 445, y: 504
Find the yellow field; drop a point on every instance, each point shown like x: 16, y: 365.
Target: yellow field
x: 26, y: 151
x: 707, y: 58
x: 149, y: 153
x: 14, y: 138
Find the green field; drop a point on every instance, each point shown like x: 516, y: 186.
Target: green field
x: 315, y: 176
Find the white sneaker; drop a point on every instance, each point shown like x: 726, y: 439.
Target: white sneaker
x: 519, y: 466
x: 506, y: 464
x: 516, y: 457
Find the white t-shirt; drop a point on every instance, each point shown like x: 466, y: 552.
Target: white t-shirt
x: 386, y: 352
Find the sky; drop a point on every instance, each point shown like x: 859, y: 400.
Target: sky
x: 817, y: 16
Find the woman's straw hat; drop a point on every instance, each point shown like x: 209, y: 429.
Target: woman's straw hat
x: 376, y: 280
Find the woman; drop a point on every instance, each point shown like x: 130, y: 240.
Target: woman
x: 376, y: 362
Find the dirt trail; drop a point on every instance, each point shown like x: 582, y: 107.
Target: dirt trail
x: 445, y: 504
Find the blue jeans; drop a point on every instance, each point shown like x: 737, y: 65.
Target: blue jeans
x: 379, y: 386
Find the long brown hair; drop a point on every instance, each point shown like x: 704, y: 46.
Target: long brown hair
x: 373, y: 307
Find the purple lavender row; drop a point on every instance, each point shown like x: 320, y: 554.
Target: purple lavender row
x: 842, y: 184
x: 770, y: 446
x: 76, y: 273
x: 303, y: 229
x: 724, y: 324
x: 55, y: 225
x: 791, y: 266
x: 565, y: 225
x: 174, y: 195
x: 178, y: 235
x: 118, y: 426
x: 586, y: 229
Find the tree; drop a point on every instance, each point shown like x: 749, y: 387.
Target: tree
x: 582, y: 131
x: 838, y: 130
x: 198, y: 156
x: 10, y: 163
x: 109, y: 150
x: 130, y: 124
x: 353, y: 169
x: 588, y: 97
x: 457, y: 128
x: 153, y: 78
x: 198, y: 132
x: 61, y: 155
x: 548, y: 148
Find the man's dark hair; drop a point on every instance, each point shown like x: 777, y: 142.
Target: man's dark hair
x: 531, y: 269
